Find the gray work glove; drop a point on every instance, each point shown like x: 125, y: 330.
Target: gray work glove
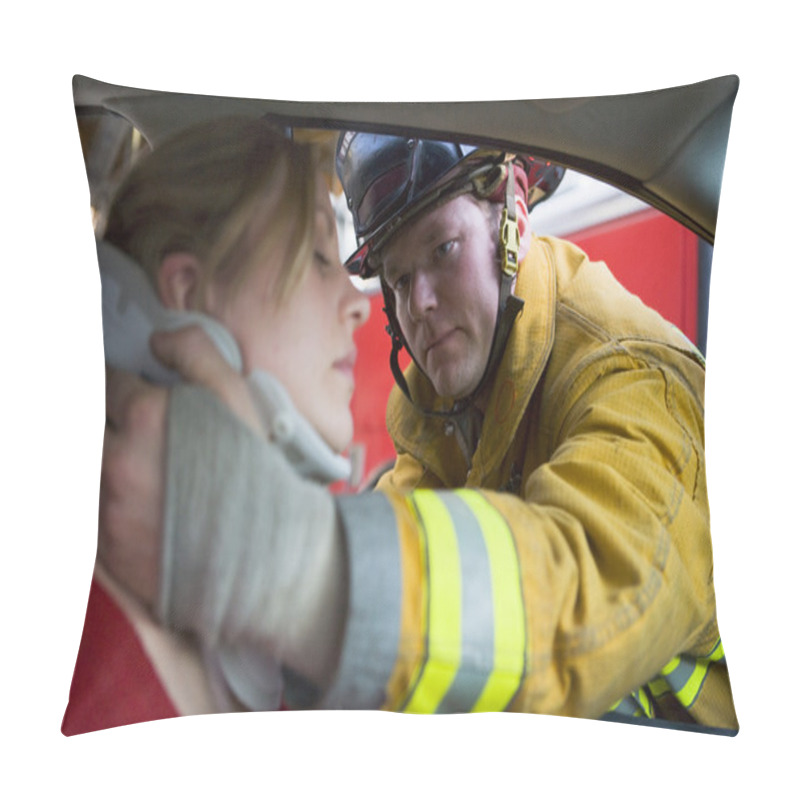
x: 251, y: 553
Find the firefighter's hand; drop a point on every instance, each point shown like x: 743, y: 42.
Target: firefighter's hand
x: 132, y: 483
x: 193, y: 355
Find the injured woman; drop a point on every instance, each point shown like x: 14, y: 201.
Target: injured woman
x: 225, y: 230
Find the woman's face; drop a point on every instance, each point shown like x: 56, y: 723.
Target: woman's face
x: 306, y: 341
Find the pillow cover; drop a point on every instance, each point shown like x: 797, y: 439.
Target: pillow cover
x: 659, y: 152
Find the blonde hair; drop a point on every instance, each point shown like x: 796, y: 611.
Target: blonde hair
x: 231, y: 192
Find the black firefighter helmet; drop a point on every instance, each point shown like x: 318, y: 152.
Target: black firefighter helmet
x: 389, y: 180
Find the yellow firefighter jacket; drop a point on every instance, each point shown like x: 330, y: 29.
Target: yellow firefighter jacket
x: 565, y: 568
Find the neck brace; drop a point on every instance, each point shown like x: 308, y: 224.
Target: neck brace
x: 307, y: 452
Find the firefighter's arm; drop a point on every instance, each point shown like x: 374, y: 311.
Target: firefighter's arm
x: 613, y: 538
x: 560, y: 601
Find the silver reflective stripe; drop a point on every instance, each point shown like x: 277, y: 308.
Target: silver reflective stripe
x: 678, y: 672
x: 685, y: 676
x: 627, y: 706
x: 636, y: 704
x: 372, y: 630
x: 475, y: 619
x: 477, y: 611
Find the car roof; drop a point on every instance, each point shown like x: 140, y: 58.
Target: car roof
x: 666, y: 147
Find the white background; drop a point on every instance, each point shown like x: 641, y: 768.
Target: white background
x: 53, y: 404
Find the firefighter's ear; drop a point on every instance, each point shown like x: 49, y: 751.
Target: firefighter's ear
x: 178, y: 281
x: 524, y: 228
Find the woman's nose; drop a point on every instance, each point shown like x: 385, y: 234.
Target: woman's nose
x: 356, y: 304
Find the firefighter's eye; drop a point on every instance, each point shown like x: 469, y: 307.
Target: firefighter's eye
x: 445, y: 248
x: 401, y: 283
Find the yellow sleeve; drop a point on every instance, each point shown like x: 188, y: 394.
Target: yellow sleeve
x: 589, y: 593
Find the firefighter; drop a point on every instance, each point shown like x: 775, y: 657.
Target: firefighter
x: 542, y: 543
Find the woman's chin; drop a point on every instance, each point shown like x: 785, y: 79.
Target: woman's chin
x: 337, y: 436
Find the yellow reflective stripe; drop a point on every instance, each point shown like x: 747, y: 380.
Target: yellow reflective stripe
x: 509, y: 611
x: 717, y: 654
x: 682, y: 676
x: 443, y: 589
x: 671, y: 665
x: 659, y: 687
x: 636, y: 704
x: 685, y: 684
x: 688, y: 693
x: 645, y: 703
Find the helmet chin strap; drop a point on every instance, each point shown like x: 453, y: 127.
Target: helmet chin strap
x: 509, y: 306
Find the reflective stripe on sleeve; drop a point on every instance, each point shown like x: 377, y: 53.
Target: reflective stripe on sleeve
x: 475, y: 622
x: 636, y: 704
x: 509, y: 610
x: 684, y: 676
x: 442, y: 603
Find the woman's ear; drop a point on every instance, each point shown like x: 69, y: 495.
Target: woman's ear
x: 178, y: 281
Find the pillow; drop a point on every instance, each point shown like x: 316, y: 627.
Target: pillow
x: 641, y: 194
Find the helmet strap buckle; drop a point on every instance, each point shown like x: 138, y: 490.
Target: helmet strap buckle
x: 509, y: 244
x: 509, y: 228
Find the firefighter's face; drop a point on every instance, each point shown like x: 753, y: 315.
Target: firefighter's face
x: 444, y: 274
x: 305, y: 341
